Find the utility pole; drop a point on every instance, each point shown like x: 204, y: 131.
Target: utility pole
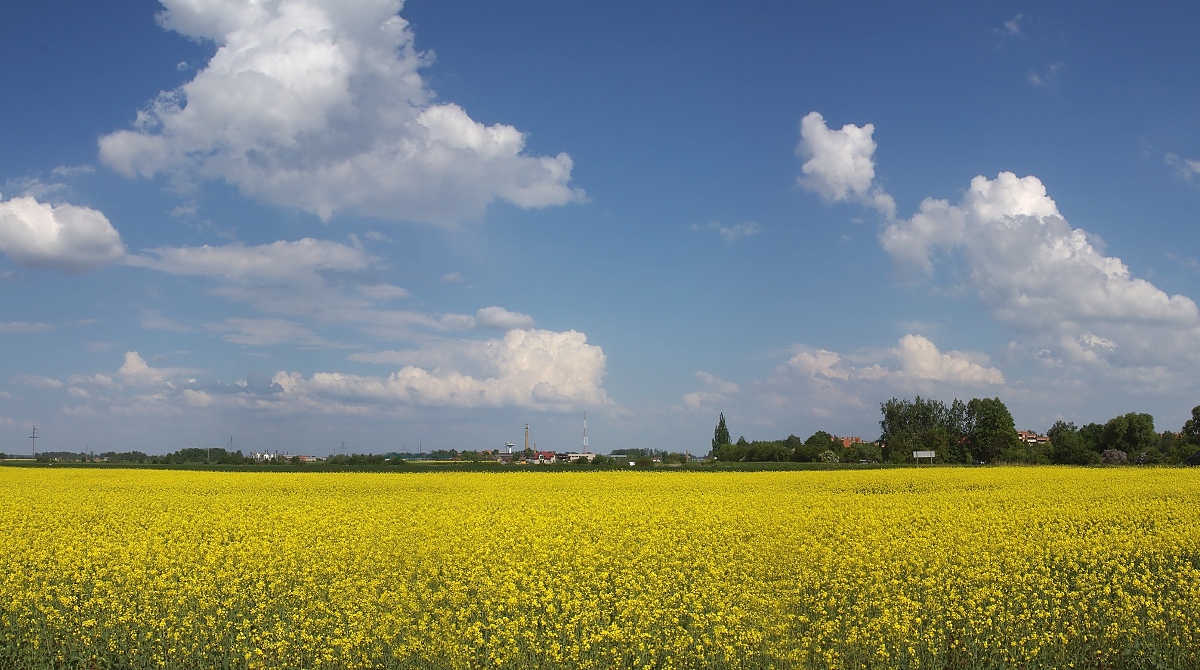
x: 33, y: 441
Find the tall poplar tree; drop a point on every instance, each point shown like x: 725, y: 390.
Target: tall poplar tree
x: 721, y: 433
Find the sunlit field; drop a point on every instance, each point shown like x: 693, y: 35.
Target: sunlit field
x: 932, y: 568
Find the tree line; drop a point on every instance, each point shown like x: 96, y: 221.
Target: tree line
x: 820, y: 446
x: 1127, y: 438
x: 977, y: 431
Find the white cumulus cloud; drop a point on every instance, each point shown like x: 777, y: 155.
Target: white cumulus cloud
x: 839, y: 165
x: 135, y: 371
x: 1039, y: 275
x: 320, y: 105
x: 921, y: 359
x: 538, y: 369
x: 59, y: 237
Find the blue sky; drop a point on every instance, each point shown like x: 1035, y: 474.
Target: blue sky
x: 302, y: 223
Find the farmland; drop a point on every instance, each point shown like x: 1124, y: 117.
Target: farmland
x: 933, y: 568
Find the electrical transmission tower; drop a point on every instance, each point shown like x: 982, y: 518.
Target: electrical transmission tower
x: 33, y: 440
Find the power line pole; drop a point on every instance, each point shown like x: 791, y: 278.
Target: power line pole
x: 33, y: 440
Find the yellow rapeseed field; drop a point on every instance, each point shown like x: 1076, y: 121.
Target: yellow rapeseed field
x: 933, y: 568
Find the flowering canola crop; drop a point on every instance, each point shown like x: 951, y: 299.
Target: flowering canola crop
x: 934, y: 568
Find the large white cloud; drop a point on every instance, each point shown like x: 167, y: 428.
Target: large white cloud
x: 59, y: 237
x: 319, y: 104
x: 921, y: 359
x: 526, y: 368
x: 839, y: 164
x: 1039, y: 275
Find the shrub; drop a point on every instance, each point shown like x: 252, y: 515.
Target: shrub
x: 1114, y: 457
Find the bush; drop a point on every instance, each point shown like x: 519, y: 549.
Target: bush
x: 864, y: 451
x: 1114, y: 457
x: 729, y: 452
x: 1151, y: 457
x: 828, y: 456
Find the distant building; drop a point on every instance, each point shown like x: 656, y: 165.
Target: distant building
x: 847, y: 442
x: 572, y: 457
x: 1031, y: 437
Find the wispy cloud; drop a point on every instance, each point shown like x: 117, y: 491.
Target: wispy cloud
x: 16, y: 327
x: 1046, y: 77
x: 730, y: 233
x: 1185, y: 168
x: 1012, y: 27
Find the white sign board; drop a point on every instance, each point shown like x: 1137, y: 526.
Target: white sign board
x: 924, y: 454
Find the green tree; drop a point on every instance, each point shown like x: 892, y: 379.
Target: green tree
x: 991, y: 430
x: 1131, y: 433
x: 730, y: 452
x: 1091, y: 435
x: 795, y: 446
x: 922, y: 424
x: 767, y: 451
x: 1067, y: 446
x: 720, y: 433
x: 864, y: 451
x: 602, y: 461
x: 823, y: 441
x: 1190, y: 433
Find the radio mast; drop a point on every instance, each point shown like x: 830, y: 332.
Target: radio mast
x: 585, y: 444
